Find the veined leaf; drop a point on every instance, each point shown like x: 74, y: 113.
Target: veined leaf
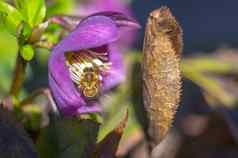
x: 10, y: 18
x: 68, y: 138
x: 34, y: 11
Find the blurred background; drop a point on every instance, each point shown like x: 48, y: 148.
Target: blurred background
x: 206, y: 124
x: 206, y: 24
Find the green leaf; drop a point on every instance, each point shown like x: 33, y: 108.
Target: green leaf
x: 24, y: 32
x: 60, y: 7
x: 210, y: 64
x: 68, y: 138
x: 33, y: 10
x: 10, y: 18
x: 210, y: 85
x: 27, y: 52
x: 8, y: 47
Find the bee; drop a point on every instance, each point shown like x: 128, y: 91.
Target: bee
x: 85, y: 71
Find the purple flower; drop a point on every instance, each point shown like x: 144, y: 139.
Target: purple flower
x: 87, y: 63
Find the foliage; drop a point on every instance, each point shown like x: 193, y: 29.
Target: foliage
x: 35, y: 128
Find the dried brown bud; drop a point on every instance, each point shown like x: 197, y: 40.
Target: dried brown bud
x: 161, y: 71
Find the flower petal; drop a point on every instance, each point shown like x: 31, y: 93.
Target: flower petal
x: 120, y: 19
x: 117, y: 72
x: 92, y: 32
x: 128, y: 27
x: 60, y: 99
x: 91, y: 107
x: 127, y: 37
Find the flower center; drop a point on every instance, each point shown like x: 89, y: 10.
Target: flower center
x: 86, y: 69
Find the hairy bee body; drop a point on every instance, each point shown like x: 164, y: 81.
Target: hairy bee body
x: 85, y: 71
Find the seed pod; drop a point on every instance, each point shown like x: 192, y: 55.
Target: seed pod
x: 161, y: 72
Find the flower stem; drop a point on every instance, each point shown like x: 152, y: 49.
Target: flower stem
x: 19, y: 75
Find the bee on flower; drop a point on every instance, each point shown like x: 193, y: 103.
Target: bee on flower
x: 87, y: 63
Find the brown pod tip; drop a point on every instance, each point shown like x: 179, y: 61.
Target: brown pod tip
x: 161, y: 72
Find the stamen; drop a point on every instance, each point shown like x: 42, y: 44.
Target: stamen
x: 102, y: 55
x: 86, y: 69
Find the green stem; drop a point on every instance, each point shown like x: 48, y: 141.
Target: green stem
x: 19, y: 75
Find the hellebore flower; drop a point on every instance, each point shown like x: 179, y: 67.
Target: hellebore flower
x: 86, y: 63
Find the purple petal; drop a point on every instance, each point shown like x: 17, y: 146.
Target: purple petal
x: 92, y: 32
x: 61, y: 98
x: 128, y: 28
x: 116, y: 74
x: 127, y: 38
x: 90, y: 108
x: 120, y: 19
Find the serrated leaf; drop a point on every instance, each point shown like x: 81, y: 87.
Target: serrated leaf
x: 27, y: 52
x: 10, y: 18
x: 68, y: 138
x: 34, y: 11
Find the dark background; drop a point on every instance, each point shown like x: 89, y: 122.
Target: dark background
x: 207, y: 24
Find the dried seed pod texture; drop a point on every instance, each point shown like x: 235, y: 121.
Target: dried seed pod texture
x: 161, y: 71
